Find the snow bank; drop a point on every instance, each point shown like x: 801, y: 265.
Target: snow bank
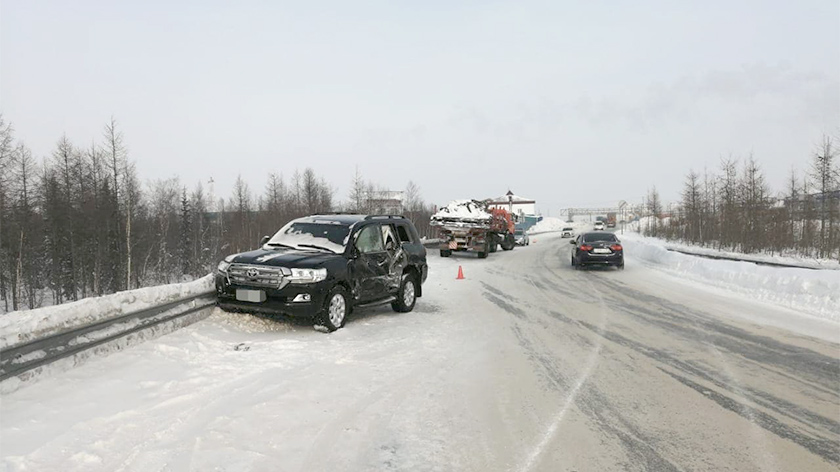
x: 552, y: 224
x: 463, y: 209
x: 816, y: 292
x: 21, y: 326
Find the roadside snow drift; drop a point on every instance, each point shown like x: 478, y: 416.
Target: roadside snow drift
x: 550, y: 224
x: 22, y: 326
x: 815, y: 292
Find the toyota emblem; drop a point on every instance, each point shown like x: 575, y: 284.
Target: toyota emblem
x: 252, y: 273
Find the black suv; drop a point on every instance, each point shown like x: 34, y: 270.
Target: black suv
x: 322, y: 266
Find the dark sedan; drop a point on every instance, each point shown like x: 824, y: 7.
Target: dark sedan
x: 597, y: 248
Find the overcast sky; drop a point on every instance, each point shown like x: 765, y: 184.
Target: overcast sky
x: 570, y: 103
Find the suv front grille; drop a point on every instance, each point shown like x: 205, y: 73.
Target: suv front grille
x: 256, y: 276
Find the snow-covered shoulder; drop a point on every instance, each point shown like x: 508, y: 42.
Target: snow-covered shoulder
x: 814, y: 292
x: 22, y: 326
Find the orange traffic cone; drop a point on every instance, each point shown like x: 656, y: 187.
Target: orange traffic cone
x: 460, y: 273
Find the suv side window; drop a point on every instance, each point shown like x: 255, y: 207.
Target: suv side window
x: 369, y: 240
x: 389, y: 237
x: 405, y: 236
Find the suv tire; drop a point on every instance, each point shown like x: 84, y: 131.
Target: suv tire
x: 406, y: 295
x: 336, y: 309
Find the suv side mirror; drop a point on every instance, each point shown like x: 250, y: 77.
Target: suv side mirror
x: 571, y: 241
x: 264, y: 240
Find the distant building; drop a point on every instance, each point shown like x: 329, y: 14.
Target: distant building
x: 521, y: 206
x: 387, y: 201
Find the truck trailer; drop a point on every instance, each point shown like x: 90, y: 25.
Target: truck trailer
x: 469, y: 225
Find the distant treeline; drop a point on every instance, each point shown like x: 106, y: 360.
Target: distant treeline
x: 734, y: 209
x: 79, y: 224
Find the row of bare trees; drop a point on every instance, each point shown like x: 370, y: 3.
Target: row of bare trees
x: 735, y: 209
x: 79, y: 224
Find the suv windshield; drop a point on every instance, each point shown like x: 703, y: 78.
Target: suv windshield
x: 567, y: 229
x: 593, y: 237
x: 306, y: 235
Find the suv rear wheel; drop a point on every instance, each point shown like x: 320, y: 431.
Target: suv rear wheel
x: 406, y: 295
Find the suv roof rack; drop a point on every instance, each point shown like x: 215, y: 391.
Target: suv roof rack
x: 325, y: 213
x: 370, y: 217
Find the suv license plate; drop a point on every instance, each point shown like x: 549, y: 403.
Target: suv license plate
x: 253, y: 296
x: 600, y: 250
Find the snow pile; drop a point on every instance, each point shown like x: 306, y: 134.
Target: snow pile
x: 463, y: 209
x: 551, y: 224
x: 816, y: 292
x: 21, y: 326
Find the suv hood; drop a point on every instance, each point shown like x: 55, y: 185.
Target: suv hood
x: 292, y: 258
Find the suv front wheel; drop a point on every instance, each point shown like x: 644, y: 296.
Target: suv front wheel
x: 407, y: 294
x: 336, y: 309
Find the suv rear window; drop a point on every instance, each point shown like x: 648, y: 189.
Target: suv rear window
x: 592, y: 237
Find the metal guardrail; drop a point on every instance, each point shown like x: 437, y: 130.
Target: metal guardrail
x: 20, y: 358
x: 724, y: 257
x: 431, y: 243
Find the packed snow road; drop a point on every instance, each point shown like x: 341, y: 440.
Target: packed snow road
x: 525, y: 365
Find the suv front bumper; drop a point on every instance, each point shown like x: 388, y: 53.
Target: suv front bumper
x: 278, y: 302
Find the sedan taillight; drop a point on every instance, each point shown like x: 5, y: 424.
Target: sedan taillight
x: 585, y: 247
x: 616, y: 247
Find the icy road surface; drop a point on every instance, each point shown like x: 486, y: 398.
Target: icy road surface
x: 526, y: 365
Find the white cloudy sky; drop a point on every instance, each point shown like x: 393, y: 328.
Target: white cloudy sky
x: 571, y: 103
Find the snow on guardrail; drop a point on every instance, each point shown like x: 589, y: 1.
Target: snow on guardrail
x: 815, y: 292
x: 22, y: 326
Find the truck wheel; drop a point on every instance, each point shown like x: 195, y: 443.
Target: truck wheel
x: 445, y: 253
x: 406, y: 295
x: 482, y: 255
x: 494, y: 245
x: 508, y: 243
x: 336, y: 308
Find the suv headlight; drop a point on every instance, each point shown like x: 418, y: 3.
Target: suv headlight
x: 223, y: 266
x: 307, y: 276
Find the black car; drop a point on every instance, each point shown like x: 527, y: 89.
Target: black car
x: 323, y: 266
x: 597, y: 248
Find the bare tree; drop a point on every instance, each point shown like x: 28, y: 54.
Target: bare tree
x: 825, y: 176
x: 654, y: 208
x: 358, y: 192
x: 115, y: 153
x: 692, y: 207
x: 6, y: 165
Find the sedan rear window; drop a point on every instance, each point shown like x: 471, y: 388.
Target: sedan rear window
x: 593, y: 237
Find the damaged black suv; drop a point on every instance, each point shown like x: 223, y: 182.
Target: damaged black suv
x: 323, y: 266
